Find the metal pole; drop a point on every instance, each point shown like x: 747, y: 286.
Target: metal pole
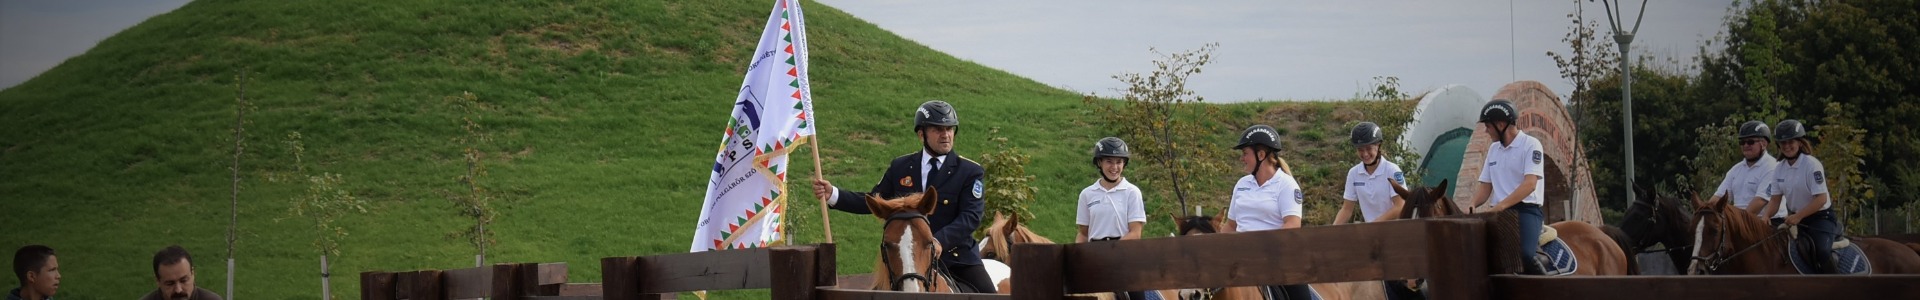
x: 326, y: 288
x: 1626, y: 102
x: 1625, y: 39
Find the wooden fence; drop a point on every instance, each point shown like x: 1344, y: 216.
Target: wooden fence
x: 1457, y: 256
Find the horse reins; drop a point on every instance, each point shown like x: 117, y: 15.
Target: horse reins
x: 926, y: 282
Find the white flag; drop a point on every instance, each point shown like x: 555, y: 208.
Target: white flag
x: 746, y: 195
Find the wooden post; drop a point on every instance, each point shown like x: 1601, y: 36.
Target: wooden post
x: 617, y: 278
x: 376, y: 286
x: 505, y: 283
x: 793, y: 272
x: 826, y: 268
x: 1454, y: 260
x: 1041, y: 272
x: 421, y: 285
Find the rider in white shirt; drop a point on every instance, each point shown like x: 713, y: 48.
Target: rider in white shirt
x: 1266, y: 199
x: 1800, y: 188
x: 1513, y: 176
x: 1374, y: 182
x: 1746, y: 183
x: 1112, y: 208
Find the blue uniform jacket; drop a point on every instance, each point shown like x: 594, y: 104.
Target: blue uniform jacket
x: 960, y: 205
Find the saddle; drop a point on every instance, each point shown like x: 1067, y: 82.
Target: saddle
x: 1846, y: 258
x: 1554, y: 257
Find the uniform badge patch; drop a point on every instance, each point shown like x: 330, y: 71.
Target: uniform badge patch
x: 1400, y: 177
x: 1359, y: 183
x: 978, y: 188
x: 1819, y: 177
x: 1536, y: 157
x: 906, y: 181
x: 1299, y: 198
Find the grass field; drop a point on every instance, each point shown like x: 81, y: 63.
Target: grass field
x: 604, y: 116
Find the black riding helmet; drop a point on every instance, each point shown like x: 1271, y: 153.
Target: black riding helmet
x: 1755, y: 129
x: 935, y: 113
x: 1499, y: 110
x: 1110, y: 147
x: 1261, y: 135
x: 1366, y: 133
x: 1789, y: 129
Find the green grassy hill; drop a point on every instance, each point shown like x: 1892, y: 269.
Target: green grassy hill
x: 603, y: 114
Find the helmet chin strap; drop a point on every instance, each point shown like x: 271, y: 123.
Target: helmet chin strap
x: 1500, y: 134
x: 1103, y: 172
x: 1375, y: 162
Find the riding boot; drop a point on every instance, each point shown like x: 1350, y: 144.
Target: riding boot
x: 1532, y: 266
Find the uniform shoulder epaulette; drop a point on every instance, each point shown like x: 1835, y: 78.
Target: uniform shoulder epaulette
x: 970, y: 160
x: 908, y: 154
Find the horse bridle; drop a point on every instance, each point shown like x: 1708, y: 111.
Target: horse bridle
x: 1712, y: 262
x: 925, y: 276
x: 1653, y: 216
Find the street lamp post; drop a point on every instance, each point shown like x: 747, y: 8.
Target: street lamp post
x: 1625, y: 39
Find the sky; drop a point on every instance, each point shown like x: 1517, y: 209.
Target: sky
x: 36, y: 35
x: 1269, y: 50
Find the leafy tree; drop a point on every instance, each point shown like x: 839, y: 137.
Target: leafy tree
x: 1008, y: 184
x: 1786, y: 59
x: 1172, y: 137
x: 476, y: 201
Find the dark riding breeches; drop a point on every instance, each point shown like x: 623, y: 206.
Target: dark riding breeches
x: 974, y: 276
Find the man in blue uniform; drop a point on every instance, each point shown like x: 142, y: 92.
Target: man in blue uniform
x: 957, y: 178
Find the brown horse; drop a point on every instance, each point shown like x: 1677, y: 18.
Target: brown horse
x: 1600, y: 252
x: 1005, y: 232
x: 1728, y: 240
x: 1199, y: 225
x: 909, y: 254
x: 1002, y: 234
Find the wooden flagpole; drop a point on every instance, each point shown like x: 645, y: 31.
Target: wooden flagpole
x: 825, y: 223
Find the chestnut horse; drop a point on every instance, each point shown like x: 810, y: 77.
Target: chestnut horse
x: 1728, y: 240
x: 1600, y: 252
x: 909, y: 254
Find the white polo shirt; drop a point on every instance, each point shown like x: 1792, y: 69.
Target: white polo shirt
x: 1797, y: 182
x: 1106, y: 212
x: 1374, y: 191
x: 1265, y: 206
x: 1507, y: 165
x: 1745, y: 181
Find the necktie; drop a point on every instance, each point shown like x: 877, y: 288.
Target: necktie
x: 933, y: 168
